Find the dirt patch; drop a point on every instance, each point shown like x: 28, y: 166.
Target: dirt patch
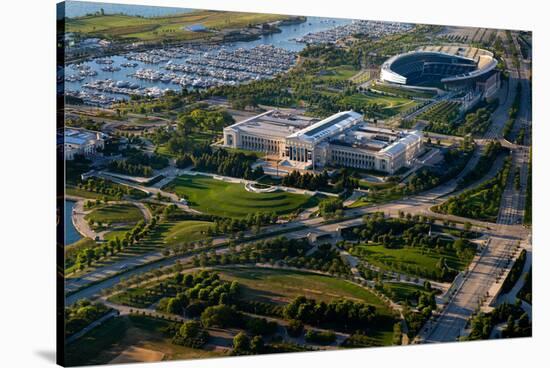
x: 133, y: 354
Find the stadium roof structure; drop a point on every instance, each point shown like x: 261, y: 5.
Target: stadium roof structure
x: 434, y: 65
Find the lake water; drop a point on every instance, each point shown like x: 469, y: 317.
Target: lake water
x: 71, y: 234
x: 81, y: 8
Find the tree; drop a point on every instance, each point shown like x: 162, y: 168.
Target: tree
x: 257, y: 345
x: 190, y: 329
x: 241, y: 343
x: 176, y: 305
x: 191, y: 334
x: 220, y: 316
x: 186, y: 124
x: 295, y: 328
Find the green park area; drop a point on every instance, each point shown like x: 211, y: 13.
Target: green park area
x: 226, y: 199
x: 280, y: 287
x: 396, y: 91
x: 382, y: 106
x: 441, y: 112
x: 165, y: 28
x: 481, y: 202
x: 116, y: 213
x: 184, y: 231
x: 165, y: 233
x: 340, y: 72
x: 169, y: 233
x: 107, y: 342
x: 402, y: 292
x: 378, y: 195
x: 410, y: 260
x: 277, y: 288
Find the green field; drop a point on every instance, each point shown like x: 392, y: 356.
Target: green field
x: 183, y: 231
x: 409, y: 260
x: 106, y: 342
x: 377, y: 197
x: 388, y: 105
x: 341, y: 72
x: 169, y: 233
x: 401, y: 292
x: 221, y: 198
x: 402, y: 91
x: 117, y: 232
x: 281, y: 286
x: 164, y: 28
x: 116, y: 213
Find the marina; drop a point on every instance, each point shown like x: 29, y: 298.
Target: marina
x: 374, y: 29
x: 106, y: 80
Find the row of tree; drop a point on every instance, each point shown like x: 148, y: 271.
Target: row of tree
x: 343, y: 313
x: 233, y: 225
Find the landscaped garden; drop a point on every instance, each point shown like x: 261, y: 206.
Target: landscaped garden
x: 227, y: 199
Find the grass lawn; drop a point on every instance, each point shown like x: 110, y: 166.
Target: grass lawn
x: 408, y: 259
x: 104, y: 343
x: 390, y: 105
x: 282, y: 286
x: 164, y: 234
x: 116, y: 213
x: 79, y: 244
x: 403, y: 92
x: 365, y: 184
x: 232, y: 200
x: 340, y: 72
x: 170, y: 27
x: 185, y: 231
x: 118, y: 232
x: 400, y: 292
x: 382, y: 196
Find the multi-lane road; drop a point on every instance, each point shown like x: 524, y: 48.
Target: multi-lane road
x: 483, y: 281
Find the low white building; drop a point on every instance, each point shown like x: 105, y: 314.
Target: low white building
x: 82, y: 142
x: 343, y: 139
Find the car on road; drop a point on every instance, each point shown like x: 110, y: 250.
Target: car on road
x: 123, y: 267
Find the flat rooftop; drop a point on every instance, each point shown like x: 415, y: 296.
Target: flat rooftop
x: 370, y: 138
x: 273, y: 123
x: 329, y: 126
x: 80, y: 136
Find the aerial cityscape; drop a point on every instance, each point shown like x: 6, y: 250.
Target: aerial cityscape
x: 239, y: 183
